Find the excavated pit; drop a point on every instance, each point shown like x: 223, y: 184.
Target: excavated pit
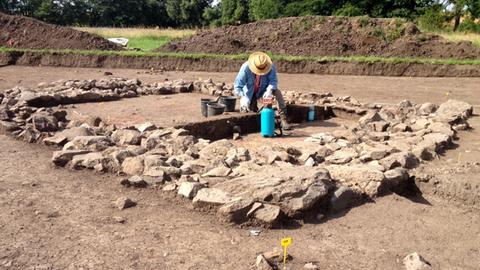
x: 183, y: 111
x: 155, y: 135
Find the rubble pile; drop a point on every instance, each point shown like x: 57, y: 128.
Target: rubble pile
x: 328, y: 172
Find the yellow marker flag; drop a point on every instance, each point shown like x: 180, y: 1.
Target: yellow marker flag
x: 285, y: 243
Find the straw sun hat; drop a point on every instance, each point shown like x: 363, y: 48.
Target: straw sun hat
x: 260, y: 63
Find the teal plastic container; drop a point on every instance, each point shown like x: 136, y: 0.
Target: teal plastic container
x: 267, y: 122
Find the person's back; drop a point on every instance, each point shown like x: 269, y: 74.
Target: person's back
x: 257, y: 79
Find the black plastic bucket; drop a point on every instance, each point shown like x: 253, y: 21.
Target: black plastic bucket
x: 230, y: 102
x: 204, y: 102
x: 215, y: 109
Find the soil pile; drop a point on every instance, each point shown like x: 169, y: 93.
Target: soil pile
x: 28, y: 33
x: 326, y: 36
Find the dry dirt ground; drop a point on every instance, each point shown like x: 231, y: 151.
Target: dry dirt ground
x: 60, y: 219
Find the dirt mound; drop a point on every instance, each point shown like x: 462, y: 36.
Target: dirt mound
x: 326, y: 36
x: 28, y: 33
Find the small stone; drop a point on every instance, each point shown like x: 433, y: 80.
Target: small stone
x: 124, y: 203
x: 415, y: 261
x: 170, y: 187
x: 310, y: 162
x: 311, y: 266
x: 119, y: 219
x: 236, y: 136
x: 189, y: 189
x: 262, y: 263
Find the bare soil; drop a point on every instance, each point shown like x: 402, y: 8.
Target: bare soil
x: 29, y: 33
x: 60, y: 219
x: 325, y: 36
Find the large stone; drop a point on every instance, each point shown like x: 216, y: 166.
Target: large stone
x: 90, y: 161
x: 371, y: 116
x: 61, y: 158
x: 268, y: 214
x: 216, y: 150
x: 45, y: 122
x: 454, y: 110
x: 427, y: 108
x: 402, y: 159
x: 133, y: 165
x: 221, y: 171
x: 155, y: 138
x: 342, y: 156
x: 56, y: 140
x: 134, y: 181
x: 415, y: 261
x: 360, y: 178
x: 439, y: 127
x: 92, y: 143
x: 126, y: 137
x: 147, y: 126
x: 295, y: 189
x: 154, y: 161
x: 73, y: 132
x: 395, y: 177
x: 341, y: 199
x: 235, y: 210
x: 211, y: 197
x: 189, y: 189
x: 437, y: 141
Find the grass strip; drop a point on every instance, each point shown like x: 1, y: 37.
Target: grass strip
x: 287, y: 58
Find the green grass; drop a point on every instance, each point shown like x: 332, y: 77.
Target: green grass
x: 288, y: 58
x: 148, y: 43
x: 145, y: 39
x: 457, y: 37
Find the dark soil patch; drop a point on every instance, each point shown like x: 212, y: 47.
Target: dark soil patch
x: 326, y: 36
x: 28, y: 33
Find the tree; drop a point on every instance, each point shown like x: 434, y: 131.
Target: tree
x: 187, y: 12
x: 265, y: 9
x: 212, y: 15
x: 48, y: 11
x: 234, y: 11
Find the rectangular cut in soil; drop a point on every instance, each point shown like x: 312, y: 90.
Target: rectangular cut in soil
x: 163, y: 111
x: 184, y: 110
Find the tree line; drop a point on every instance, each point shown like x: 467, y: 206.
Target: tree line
x: 198, y: 13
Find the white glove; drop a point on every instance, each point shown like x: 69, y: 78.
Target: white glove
x: 269, y: 92
x: 244, y: 104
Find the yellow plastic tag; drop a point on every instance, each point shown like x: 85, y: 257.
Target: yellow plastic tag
x: 286, y: 242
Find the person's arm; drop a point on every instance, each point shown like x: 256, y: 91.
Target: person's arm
x: 272, y: 82
x: 240, y: 81
x: 272, y: 78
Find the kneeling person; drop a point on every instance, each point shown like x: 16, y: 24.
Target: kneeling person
x: 257, y: 79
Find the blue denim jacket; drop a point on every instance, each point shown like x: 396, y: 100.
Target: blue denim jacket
x: 245, y: 82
